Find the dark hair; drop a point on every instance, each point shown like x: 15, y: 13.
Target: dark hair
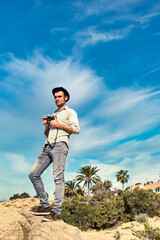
x: 58, y: 89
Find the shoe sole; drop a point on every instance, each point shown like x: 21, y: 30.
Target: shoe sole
x: 40, y: 214
x: 49, y: 220
x: 46, y: 220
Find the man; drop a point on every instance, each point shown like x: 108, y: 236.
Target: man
x: 58, y: 129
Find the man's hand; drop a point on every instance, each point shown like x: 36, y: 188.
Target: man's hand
x: 44, y: 121
x: 54, y: 123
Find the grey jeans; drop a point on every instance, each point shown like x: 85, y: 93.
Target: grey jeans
x: 57, y: 154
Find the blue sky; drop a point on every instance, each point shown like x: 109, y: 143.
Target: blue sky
x: 107, y: 54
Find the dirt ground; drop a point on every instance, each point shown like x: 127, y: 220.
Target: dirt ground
x: 123, y: 232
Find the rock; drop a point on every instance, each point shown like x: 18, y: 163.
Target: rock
x: 17, y: 223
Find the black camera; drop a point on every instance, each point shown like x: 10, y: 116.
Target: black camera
x: 49, y: 118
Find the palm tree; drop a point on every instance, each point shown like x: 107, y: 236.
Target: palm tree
x: 80, y: 190
x: 87, y: 174
x: 71, y: 188
x: 122, y: 177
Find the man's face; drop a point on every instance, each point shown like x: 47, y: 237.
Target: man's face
x: 60, y: 99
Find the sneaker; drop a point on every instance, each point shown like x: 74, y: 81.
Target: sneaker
x: 40, y: 211
x: 52, y: 217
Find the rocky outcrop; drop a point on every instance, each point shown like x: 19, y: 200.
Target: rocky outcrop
x: 17, y: 223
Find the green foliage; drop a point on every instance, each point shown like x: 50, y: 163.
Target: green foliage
x: 109, y: 213
x: 78, y: 214
x: 22, y: 195
x: 141, y: 218
x: 101, y: 187
x: 73, y: 189
x: 149, y: 233
x: 99, y: 197
x: 88, y: 175
x: 122, y: 177
x: 141, y: 201
x: 106, y: 209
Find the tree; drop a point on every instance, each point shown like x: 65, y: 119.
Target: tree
x: 103, y: 186
x: 107, y: 184
x: 73, y: 189
x: 122, y: 177
x: 22, y: 195
x: 87, y: 174
x: 80, y: 190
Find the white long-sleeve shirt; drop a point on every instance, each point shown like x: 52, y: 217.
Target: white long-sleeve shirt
x: 65, y: 116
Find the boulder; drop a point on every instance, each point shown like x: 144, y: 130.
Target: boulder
x: 17, y: 223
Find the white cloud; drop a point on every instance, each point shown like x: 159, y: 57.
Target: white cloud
x: 29, y: 84
x: 14, y: 166
x: 16, y: 162
x: 41, y: 74
x: 91, y: 36
x: 123, y: 113
x: 133, y: 148
x: 127, y: 13
x: 152, y: 71
x: 59, y: 29
x: 104, y: 6
x: 130, y: 111
x: 120, y: 9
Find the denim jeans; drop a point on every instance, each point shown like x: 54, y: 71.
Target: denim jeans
x: 57, y: 154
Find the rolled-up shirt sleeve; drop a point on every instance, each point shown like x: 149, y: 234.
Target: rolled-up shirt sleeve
x: 73, y: 121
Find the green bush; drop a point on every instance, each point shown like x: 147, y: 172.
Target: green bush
x: 141, y: 218
x: 107, y: 209
x: 141, y: 201
x: 78, y: 214
x: 109, y: 213
x: 22, y: 195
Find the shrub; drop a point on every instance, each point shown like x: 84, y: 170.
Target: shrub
x: 109, y: 213
x: 106, y: 209
x: 22, y: 195
x: 141, y: 218
x: 99, y: 197
x: 78, y: 214
x: 141, y: 201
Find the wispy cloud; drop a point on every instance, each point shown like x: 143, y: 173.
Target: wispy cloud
x: 41, y: 74
x: 125, y: 113
x: 104, y: 6
x: 59, y: 29
x: 91, y: 36
x: 114, y: 13
x: 121, y: 10
x: 152, y: 71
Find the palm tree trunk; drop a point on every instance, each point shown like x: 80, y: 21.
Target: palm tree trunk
x: 123, y: 187
x: 88, y: 189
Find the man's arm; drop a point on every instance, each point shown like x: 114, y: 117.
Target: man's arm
x: 56, y: 124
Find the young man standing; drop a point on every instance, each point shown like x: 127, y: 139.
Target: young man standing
x: 58, y: 129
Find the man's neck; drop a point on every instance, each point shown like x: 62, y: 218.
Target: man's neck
x: 61, y: 107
